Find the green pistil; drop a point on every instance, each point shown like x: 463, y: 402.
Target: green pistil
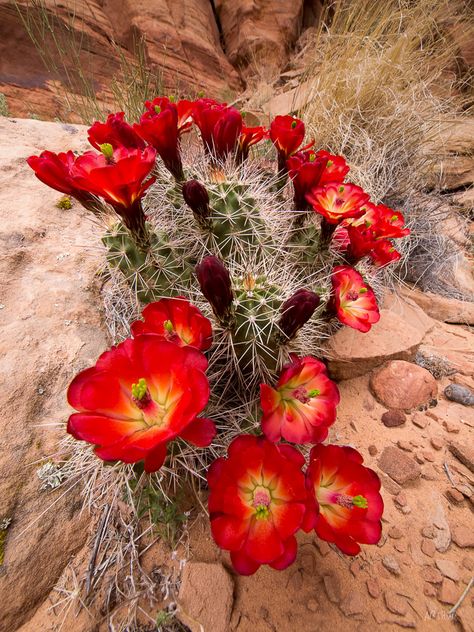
x: 261, y: 512
x: 172, y: 98
x: 363, y: 290
x: 394, y: 218
x: 157, y: 109
x: 139, y: 390
x: 368, y: 224
x: 107, y: 150
x: 341, y: 189
x: 312, y: 157
x: 329, y: 163
x: 168, y: 326
x: 294, y: 124
x: 360, y: 501
x: 314, y: 392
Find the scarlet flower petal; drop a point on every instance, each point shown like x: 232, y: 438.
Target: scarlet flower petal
x: 288, y: 556
x: 243, y: 564
x: 353, y: 300
x: 199, y: 432
x: 229, y: 532
x: 99, y: 429
x: 155, y: 458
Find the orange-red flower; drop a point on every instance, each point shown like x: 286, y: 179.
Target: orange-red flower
x: 115, y: 131
x: 287, y: 133
x: 184, y: 109
x: 353, y: 301
x: 139, y: 396
x: 159, y: 127
x: 302, y: 405
x: 305, y: 169
x: 336, y: 202
x: 249, y: 136
x: 345, y: 498
x: 336, y: 168
x: 175, y: 319
x: 220, y: 127
x: 257, y: 501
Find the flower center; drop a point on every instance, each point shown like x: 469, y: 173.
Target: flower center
x: 140, y: 393
x: 261, y: 503
x: 108, y: 151
x: 352, y: 295
x: 303, y: 396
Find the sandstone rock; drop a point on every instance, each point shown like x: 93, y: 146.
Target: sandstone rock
x: 395, y: 533
x: 332, y: 587
x: 372, y: 450
x: 431, y: 575
x: 437, y: 516
x: 454, y: 496
x: 352, y: 353
x: 463, y: 452
x: 460, y: 394
x: 428, y: 547
x: 51, y: 328
x: 448, y: 569
x: 448, y: 592
x: 448, y: 310
x: 463, y: 536
x: 373, y: 587
x: 205, y: 597
x: 393, y: 418
x: 436, y: 443
x: 395, y: 603
x: 352, y: 604
x: 312, y: 605
x: 399, y: 465
x: 391, y: 564
x: 400, y: 384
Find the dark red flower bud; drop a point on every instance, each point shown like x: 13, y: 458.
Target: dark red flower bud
x: 297, y: 310
x: 197, y: 198
x: 287, y: 134
x: 220, y: 127
x: 214, y: 279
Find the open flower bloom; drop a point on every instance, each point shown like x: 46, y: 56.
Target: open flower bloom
x: 55, y: 170
x: 118, y: 176
x: 115, y: 131
x: 220, y: 127
x: 183, y: 107
x: 305, y: 169
x: 249, y: 136
x: 344, y: 498
x: 287, y: 133
x: 139, y: 396
x: 335, y: 202
x: 336, y: 168
x: 257, y: 501
x: 175, y: 319
x: 159, y: 127
x: 302, y: 405
x: 383, y: 253
x: 353, y: 301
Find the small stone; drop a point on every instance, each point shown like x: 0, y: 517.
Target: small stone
x: 419, y: 459
x: 373, y: 587
x: 431, y: 575
x: 432, y: 415
x: 399, y: 465
x: 454, y: 496
x: 429, y: 472
x: 463, y: 537
x: 436, y: 443
x: 428, y: 456
x: 391, y: 564
x: 400, y: 500
x: 403, y: 385
x: 323, y: 547
x: 395, y: 603
x: 400, y: 546
x: 464, y: 453
x: 428, y: 547
x: 448, y: 593
x: 468, y: 563
x: 312, y: 605
x: 332, y: 587
x: 428, y: 532
x: 460, y: 394
x: 352, y: 604
x: 405, y: 510
x: 389, y: 484
x: 395, y: 533
x: 448, y: 569
x: 419, y: 420
x: 393, y: 418
x: 404, y: 445
x: 372, y: 450
x: 451, y: 427
x: 465, y: 490
x: 429, y: 590
x: 355, y: 568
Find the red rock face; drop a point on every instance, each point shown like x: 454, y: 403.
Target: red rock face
x: 181, y: 40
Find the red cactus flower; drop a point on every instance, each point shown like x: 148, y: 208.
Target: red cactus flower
x: 175, y: 319
x: 139, y: 396
x: 159, y: 127
x: 287, y: 134
x: 249, y: 136
x: 302, y: 405
x: 119, y: 177
x: 335, y: 202
x: 384, y: 253
x: 353, y: 300
x: 220, y: 127
x: 344, y: 498
x: 184, y: 109
x: 55, y: 170
x: 305, y: 169
x: 390, y: 224
x: 115, y: 131
x: 257, y: 503
x: 336, y: 168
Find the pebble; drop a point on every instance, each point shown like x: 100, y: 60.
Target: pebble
x: 464, y: 453
x: 393, y: 418
x: 431, y: 575
x: 373, y: 587
x: 448, y: 569
x: 465, y: 490
x: 355, y: 568
x: 428, y: 547
x: 399, y: 465
x: 395, y: 533
x: 401, y: 547
x: 404, y: 445
x: 468, y: 563
x: 454, y: 496
x: 395, y: 603
x: 448, y: 593
x: 451, y: 427
x: 419, y: 459
x: 429, y: 472
x: 428, y: 532
x: 372, y: 450
x: 400, y: 499
x: 460, y: 394
x: 391, y: 564
x: 429, y: 590
x: 352, y: 604
x: 419, y: 420
x: 312, y: 605
x: 428, y: 456
x: 436, y: 443
x: 332, y: 587
x: 463, y: 537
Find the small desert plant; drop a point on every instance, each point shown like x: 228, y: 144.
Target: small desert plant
x: 3, y: 105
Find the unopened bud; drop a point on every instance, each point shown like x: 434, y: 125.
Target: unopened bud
x: 197, y: 198
x: 214, y: 279
x: 297, y: 310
